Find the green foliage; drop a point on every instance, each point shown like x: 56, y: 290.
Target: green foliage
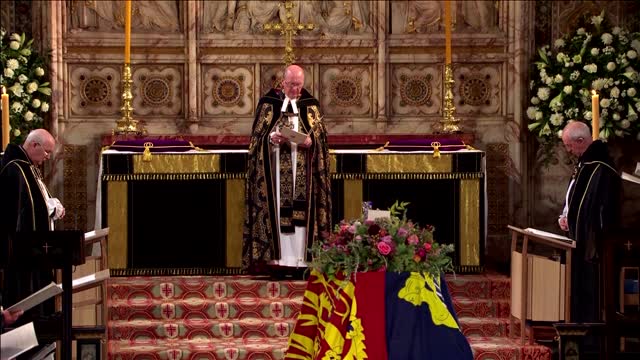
x: 385, y: 244
x: 597, y: 57
x: 25, y: 79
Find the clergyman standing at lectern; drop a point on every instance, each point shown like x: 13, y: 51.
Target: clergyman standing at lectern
x: 591, y: 210
x: 288, y: 189
x: 26, y: 205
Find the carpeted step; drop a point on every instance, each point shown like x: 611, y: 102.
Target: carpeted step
x: 198, y: 349
x: 470, y: 307
x: 143, y: 330
x: 141, y: 308
x: 485, y: 327
x: 501, y: 348
x: 479, y: 286
x: 206, y: 287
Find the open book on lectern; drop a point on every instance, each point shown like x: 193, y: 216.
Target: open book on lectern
x: 549, y: 235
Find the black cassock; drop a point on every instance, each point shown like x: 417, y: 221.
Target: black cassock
x: 593, y: 212
x: 22, y: 208
x: 307, y: 204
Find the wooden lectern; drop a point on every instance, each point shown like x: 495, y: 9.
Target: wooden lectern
x: 28, y: 251
x: 522, y: 281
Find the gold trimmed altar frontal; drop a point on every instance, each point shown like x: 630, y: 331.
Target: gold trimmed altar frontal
x: 356, y: 176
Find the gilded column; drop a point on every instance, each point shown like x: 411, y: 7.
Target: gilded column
x: 192, y: 98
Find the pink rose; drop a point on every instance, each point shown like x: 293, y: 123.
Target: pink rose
x: 413, y: 239
x: 384, y: 248
x: 427, y: 246
x: 388, y: 239
x: 402, y: 232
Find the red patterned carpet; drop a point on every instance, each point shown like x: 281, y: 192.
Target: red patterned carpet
x: 208, y: 317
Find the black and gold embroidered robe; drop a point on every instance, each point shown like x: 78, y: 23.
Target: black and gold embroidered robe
x: 311, y: 207
x: 22, y: 208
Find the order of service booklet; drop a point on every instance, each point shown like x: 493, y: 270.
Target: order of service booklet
x: 36, y: 298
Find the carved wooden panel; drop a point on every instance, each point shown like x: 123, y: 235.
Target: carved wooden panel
x: 345, y: 89
x: 497, y: 184
x: 94, y: 89
x: 416, y: 89
x: 158, y: 90
x: 228, y: 90
x: 477, y: 88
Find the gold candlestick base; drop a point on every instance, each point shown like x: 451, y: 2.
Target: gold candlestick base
x: 449, y: 124
x: 127, y: 125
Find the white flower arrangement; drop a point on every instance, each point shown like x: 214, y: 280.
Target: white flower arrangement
x: 594, y: 57
x: 25, y: 80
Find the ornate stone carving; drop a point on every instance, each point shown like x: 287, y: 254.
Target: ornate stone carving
x: 228, y: 90
x: 157, y: 90
x: 346, y: 90
x: 328, y: 16
x: 426, y: 16
x: 478, y: 89
x: 416, y: 89
x: 94, y: 90
x: 147, y: 15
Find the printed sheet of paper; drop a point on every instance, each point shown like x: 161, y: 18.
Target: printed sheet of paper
x: 293, y: 136
x: 37, y: 297
x: 629, y: 177
x: 17, y: 341
x: 549, y: 235
x: 377, y: 214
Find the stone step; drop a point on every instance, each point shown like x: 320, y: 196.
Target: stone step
x: 143, y: 330
x: 199, y: 308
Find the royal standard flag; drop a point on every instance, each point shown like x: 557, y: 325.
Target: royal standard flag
x: 377, y: 315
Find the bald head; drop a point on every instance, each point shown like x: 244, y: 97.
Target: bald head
x: 293, y: 81
x: 576, y: 137
x: 39, y: 145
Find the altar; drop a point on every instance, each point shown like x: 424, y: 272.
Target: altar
x: 182, y: 212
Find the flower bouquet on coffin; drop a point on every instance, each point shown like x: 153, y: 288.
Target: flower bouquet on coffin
x: 377, y: 291
x: 595, y: 57
x: 394, y: 244
x: 25, y: 80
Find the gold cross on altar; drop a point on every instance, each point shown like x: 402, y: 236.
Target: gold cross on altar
x: 288, y: 28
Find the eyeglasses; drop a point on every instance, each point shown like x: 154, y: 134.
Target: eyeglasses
x: 46, y: 153
x: 292, y: 85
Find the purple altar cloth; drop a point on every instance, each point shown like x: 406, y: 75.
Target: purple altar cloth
x: 426, y: 144
x: 154, y: 145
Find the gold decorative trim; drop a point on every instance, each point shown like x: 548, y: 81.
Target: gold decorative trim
x: 177, y: 164
x: 117, y: 213
x: 409, y: 163
x: 172, y: 177
x: 469, y: 269
x: 333, y: 163
x: 123, y: 272
x: 438, y: 50
x: 407, y: 176
x: 352, y: 205
x: 469, y: 222
x: 278, y: 51
x: 235, y: 220
x: 118, y: 50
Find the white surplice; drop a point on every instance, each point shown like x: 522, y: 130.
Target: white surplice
x: 292, y: 245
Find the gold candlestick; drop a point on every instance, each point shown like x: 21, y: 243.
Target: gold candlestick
x: 126, y: 124
x: 449, y: 123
